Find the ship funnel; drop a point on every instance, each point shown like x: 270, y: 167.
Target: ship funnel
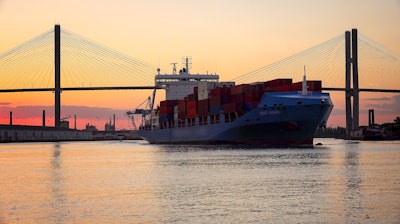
x: 304, y: 85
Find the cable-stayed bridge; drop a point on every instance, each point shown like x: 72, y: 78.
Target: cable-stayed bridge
x: 87, y: 65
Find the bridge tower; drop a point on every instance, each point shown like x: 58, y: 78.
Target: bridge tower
x: 351, y: 51
x: 57, y: 82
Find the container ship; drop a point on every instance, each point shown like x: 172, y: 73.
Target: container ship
x: 199, y: 109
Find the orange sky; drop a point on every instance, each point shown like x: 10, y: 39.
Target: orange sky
x: 224, y: 36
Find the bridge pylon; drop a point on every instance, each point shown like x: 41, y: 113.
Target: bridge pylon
x: 57, y: 82
x: 351, y: 63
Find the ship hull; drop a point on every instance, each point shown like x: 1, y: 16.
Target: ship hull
x: 280, y: 119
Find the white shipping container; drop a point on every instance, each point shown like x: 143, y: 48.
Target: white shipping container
x: 202, y: 91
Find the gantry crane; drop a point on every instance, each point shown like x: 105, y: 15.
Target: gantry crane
x: 138, y: 110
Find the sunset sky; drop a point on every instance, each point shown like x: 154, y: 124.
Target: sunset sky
x: 230, y: 37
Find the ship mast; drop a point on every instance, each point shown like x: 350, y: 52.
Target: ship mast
x: 304, y: 84
x: 174, y: 68
x: 187, y: 62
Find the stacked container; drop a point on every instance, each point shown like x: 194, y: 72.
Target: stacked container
x: 167, y: 110
x: 208, y: 99
x: 314, y: 86
x: 191, y: 105
x: 182, y: 109
x: 218, y: 97
x: 272, y: 85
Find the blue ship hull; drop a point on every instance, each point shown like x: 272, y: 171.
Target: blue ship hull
x: 280, y: 119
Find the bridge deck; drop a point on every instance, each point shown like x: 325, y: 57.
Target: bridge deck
x: 152, y: 87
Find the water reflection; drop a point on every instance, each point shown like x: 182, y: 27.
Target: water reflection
x: 353, y: 191
x: 58, y: 211
x: 125, y: 182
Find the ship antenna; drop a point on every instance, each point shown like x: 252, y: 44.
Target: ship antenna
x: 187, y: 61
x: 304, y: 86
x: 187, y: 65
x: 174, y: 68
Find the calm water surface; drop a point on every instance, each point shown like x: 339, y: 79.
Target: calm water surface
x: 134, y: 182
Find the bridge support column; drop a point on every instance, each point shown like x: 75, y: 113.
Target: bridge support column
x: 57, y: 82
x: 352, y: 113
x: 348, y: 93
x: 356, y: 90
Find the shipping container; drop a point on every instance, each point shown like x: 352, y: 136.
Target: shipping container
x: 222, y: 91
x: 166, y: 117
x: 252, y: 97
x: 191, y: 105
x: 191, y: 97
x: 202, y: 107
x: 219, y: 100
x: 284, y: 88
x: 191, y: 113
x: 241, y: 89
x: 277, y: 82
x: 315, y: 86
x: 166, y: 110
x: 215, y: 109
x: 237, y: 98
x: 232, y: 107
x: 169, y: 103
x: 182, y: 114
x: 248, y: 106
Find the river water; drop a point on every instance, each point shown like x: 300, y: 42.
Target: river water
x: 134, y: 182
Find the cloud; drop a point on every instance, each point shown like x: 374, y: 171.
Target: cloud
x: 28, y: 112
x: 391, y: 107
x: 379, y: 99
x: 5, y: 103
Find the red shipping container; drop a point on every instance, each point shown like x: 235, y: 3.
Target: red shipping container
x: 277, y: 82
x: 252, y: 97
x: 202, y: 107
x: 232, y: 107
x: 240, y: 89
x: 191, y: 105
x: 182, y: 108
x: 238, y: 98
x: 215, y: 100
x: 223, y: 91
x: 192, y: 97
x: 202, y: 104
x: 315, y: 86
x: 269, y: 89
x: 163, y: 103
x: 181, y: 115
x: 166, y: 110
x: 219, y: 100
x: 284, y: 88
x: 163, y: 110
x: 298, y: 86
x: 191, y: 113
x: 169, y: 103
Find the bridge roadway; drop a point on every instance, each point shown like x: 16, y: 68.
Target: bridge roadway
x: 78, y: 89
x: 364, y: 90
x: 152, y: 87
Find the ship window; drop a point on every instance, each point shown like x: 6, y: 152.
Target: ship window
x: 258, y: 119
x: 299, y: 102
x: 247, y: 120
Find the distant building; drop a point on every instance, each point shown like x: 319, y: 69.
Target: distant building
x: 90, y: 127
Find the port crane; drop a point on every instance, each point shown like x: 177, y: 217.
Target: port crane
x: 144, y: 112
